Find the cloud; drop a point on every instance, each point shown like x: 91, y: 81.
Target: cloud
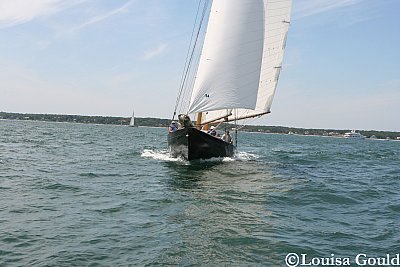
x: 14, y: 12
x: 308, y: 8
x: 102, y: 17
x: 155, y: 52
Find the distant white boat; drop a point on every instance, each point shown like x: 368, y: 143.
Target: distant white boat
x: 354, y: 135
x: 132, y: 122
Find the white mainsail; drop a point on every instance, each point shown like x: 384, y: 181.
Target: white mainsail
x: 241, y: 58
x: 132, y: 122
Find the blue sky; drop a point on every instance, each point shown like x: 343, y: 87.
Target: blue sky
x: 100, y: 57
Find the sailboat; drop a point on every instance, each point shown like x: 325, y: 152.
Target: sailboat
x: 132, y: 122
x: 236, y: 74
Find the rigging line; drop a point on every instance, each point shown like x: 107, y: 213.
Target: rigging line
x: 185, y: 98
x: 187, y: 64
x: 190, y: 69
x: 186, y: 60
x: 191, y: 81
x: 248, y: 121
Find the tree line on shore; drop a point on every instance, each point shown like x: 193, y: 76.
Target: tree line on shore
x: 157, y: 122
x: 85, y: 119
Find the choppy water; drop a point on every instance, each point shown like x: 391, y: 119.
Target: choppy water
x: 98, y: 195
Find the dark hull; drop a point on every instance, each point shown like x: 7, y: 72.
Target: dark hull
x: 193, y: 144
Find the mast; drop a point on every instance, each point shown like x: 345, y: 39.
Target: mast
x: 198, y: 121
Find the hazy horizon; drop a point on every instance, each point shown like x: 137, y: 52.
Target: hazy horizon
x: 251, y: 124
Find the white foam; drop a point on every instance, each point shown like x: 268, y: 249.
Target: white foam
x: 245, y: 156
x: 218, y: 160
x: 164, y: 155
x: 159, y: 155
x: 239, y: 156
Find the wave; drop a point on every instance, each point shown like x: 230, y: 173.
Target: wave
x: 163, y: 155
x: 246, y: 156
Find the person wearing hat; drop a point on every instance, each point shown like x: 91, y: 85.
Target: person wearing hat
x: 173, y: 127
x: 227, y: 137
x: 212, y: 131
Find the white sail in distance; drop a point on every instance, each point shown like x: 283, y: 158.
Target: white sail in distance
x: 132, y: 122
x: 241, y: 58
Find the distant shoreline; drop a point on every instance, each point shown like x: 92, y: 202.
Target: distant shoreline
x: 157, y: 122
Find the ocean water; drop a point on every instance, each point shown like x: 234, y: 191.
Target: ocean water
x: 99, y: 195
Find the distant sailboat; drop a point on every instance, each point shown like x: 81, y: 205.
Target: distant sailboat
x: 132, y: 122
x: 236, y: 76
